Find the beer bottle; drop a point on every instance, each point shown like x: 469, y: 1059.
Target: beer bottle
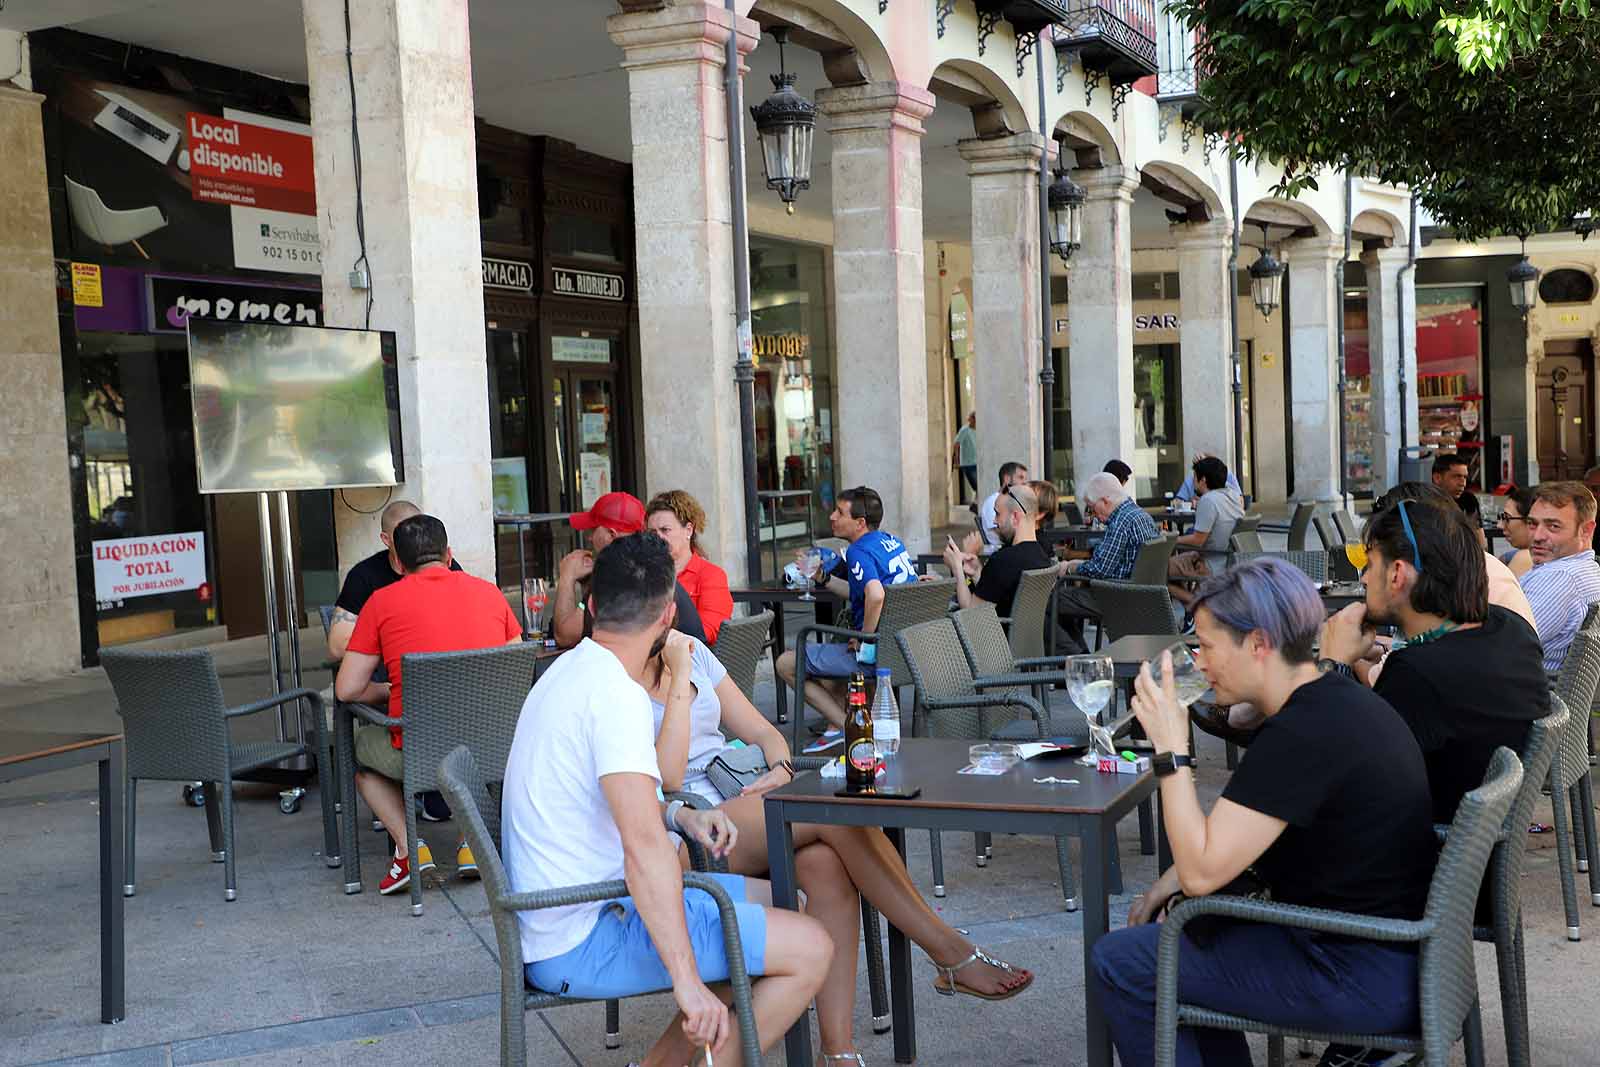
x: 860, y: 750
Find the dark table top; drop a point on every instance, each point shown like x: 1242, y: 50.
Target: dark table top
x: 931, y: 764
x: 19, y: 746
x: 1132, y: 650
x: 1340, y: 594
x: 765, y: 594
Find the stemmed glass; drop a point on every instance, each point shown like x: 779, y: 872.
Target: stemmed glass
x: 1091, y: 686
x: 1187, y: 677
x: 535, y: 597
x: 810, y: 563
x: 1356, y: 553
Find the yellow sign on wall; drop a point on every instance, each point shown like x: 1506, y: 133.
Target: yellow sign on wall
x: 86, y: 290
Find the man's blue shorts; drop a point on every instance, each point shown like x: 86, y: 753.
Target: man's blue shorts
x: 618, y: 959
x: 832, y: 660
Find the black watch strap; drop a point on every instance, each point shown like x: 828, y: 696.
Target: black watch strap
x: 1165, y: 763
x: 1333, y: 666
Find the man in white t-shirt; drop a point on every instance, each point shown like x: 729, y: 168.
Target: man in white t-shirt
x: 1011, y: 473
x: 581, y: 804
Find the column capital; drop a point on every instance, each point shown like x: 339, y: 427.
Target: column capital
x: 875, y: 106
x: 1204, y: 236
x: 1387, y: 260
x: 693, y: 31
x: 1324, y: 247
x: 1018, y: 153
x: 1108, y: 183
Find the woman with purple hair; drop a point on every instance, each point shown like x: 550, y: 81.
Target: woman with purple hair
x: 1329, y: 808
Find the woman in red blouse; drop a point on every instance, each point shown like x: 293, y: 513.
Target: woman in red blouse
x: 678, y: 519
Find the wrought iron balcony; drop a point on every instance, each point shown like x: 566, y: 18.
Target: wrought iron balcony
x: 1114, y: 37
x: 1026, y: 16
x: 1178, y: 86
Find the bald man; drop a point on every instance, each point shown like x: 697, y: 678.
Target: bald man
x: 369, y: 576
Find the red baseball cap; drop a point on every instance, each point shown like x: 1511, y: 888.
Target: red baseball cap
x: 619, y: 512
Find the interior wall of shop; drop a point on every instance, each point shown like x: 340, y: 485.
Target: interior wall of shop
x: 1559, y: 322
x: 38, y: 598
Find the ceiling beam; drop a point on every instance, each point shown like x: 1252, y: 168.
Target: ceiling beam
x: 1194, y: 208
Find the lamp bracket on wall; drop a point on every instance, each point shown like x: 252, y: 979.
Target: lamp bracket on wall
x: 1025, y: 43
x: 987, y: 21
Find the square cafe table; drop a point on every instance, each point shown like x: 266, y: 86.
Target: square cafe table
x: 24, y: 753
x: 775, y: 596
x: 1000, y: 804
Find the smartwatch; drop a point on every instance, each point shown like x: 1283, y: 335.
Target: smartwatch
x: 670, y: 817
x: 1333, y: 666
x: 1165, y: 763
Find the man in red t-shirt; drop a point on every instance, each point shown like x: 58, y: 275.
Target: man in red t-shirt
x: 431, y: 609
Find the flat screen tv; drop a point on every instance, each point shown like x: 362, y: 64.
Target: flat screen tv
x: 293, y: 407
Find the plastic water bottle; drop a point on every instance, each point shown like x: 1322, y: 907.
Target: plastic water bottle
x: 885, y: 716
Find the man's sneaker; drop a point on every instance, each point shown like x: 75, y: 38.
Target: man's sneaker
x: 1355, y: 1056
x: 398, y: 878
x: 831, y: 738
x: 431, y: 807
x: 424, y: 857
x: 466, y: 864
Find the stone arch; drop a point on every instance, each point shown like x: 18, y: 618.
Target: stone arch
x: 1376, y: 224
x: 996, y: 110
x: 1092, y: 139
x: 1178, y: 183
x: 852, y: 51
x: 1284, y: 219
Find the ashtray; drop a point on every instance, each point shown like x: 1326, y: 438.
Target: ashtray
x: 994, y: 757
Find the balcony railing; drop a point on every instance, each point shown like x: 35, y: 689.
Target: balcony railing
x: 1178, y: 85
x: 1117, y: 37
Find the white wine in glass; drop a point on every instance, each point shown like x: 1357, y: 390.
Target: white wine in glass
x: 1090, y: 684
x: 1187, y: 677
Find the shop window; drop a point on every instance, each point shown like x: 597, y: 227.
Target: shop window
x: 1155, y: 286
x: 1449, y: 371
x: 502, y: 208
x: 1566, y: 286
x: 1358, y: 440
x: 1158, y: 461
x: 583, y: 237
x: 508, y: 420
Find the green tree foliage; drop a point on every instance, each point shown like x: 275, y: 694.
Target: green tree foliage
x: 1488, y: 109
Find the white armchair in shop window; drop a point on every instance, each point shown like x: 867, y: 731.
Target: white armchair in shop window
x: 109, y: 227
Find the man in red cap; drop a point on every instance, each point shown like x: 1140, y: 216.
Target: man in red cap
x: 612, y: 516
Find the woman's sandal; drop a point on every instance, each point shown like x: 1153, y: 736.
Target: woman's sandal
x: 952, y: 985
x: 853, y: 1058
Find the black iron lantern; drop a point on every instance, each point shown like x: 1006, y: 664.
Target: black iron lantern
x: 1066, y: 199
x: 1523, y: 277
x: 786, y: 124
x: 1266, y: 280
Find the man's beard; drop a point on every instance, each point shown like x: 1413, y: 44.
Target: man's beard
x: 1006, y: 536
x: 659, y: 643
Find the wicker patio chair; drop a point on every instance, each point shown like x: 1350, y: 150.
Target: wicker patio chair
x: 1300, y: 525
x: 739, y: 646
x: 175, y: 728
x: 1127, y: 609
x: 1245, y: 542
x: 1448, y: 980
x: 1345, y: 524
x: 1149, y: 568
x: 1031, y: 617
x: 903, y: 605
x: 479, y: 815
x: 983, y: 642
x: 449, y: 699
x: 1571, y: 795
x: 1313, y: 565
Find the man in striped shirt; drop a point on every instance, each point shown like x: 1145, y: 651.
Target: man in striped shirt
x: 1128, y: 527
x: 1565, y: 578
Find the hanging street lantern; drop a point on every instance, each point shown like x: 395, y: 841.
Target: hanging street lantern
x: 1066, y: 199
x: 1266, y: 280
x: 786, y: 123
x: 1523, y: 277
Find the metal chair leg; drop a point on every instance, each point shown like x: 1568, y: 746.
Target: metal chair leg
x: 224, y: 791
x: 1472, y: 1036
x: 1274, y: 1051
x: 872, y: 938
x: 613, y: 1024
x: 130, y: 807
x: 1586, y: 830
x: 213, y: 806
x: 1579, y: 844
x: 936, y: 854
x: 1559, y: 810
x: 980, y: 849
x: 412, y: 840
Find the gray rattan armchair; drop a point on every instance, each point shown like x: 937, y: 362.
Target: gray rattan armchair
x: 479, y: 815
x: 1300, y: 524
x: 1345, y: 524
x: 1571, y: 795
x: 1149, y: 568
x: 1448, y: 980
x: 450, y: 698
x: 175, y: 725
x: 1313, y: 565
x: 903, y: 605
x: 1127, y: 609
x: 1031, y: 617
x: 740, y: 643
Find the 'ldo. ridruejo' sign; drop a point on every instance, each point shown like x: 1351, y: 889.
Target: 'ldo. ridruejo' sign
x: 144, y: 566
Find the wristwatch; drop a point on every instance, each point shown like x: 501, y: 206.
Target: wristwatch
x: 1333, y: 666
x: 670, y: 816
x: 1165, y: 763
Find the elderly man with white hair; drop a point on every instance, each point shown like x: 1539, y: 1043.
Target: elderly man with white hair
x: 1128, y: 527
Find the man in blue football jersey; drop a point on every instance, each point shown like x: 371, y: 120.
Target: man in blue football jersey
x: 875, y: 559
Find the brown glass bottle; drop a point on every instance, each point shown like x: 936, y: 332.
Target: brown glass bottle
x: 860, y: 750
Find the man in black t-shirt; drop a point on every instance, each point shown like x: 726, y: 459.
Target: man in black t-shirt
x: 1329, y: 808
x: 369, y: 576
x: 1016, y: 514
x: 1467, y: 677
x: 1451, y: 473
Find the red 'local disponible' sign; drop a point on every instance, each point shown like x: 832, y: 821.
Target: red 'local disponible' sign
x: 239, y: 163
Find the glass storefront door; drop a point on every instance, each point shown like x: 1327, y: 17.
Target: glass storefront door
x: 584, y: 408
x: 509, y: 419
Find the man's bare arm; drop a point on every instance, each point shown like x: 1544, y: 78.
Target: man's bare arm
x: 340, y: 627
x: 354, y: 684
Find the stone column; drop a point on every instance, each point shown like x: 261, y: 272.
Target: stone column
x: 683, y: 234
x: 1005, y: 301
x: 38, y: 596
x: 876, y: 132
x: 1389, y: 353
x: 1313, y: 301
x: 420, y: 199
x: 1100, y: 307
x: 1206, y: 357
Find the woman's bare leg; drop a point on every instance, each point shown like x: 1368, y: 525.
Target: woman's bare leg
x: 832, y: 900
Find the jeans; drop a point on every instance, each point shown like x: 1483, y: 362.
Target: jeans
x: 1271, y: 973
x: 969, y: 474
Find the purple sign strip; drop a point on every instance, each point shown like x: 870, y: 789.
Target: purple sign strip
x: 124, y: 303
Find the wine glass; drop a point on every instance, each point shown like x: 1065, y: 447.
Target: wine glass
x: 1187, y: 677
x: 535, y: 597
x: 810, y: 563
x: 1356, y: 553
